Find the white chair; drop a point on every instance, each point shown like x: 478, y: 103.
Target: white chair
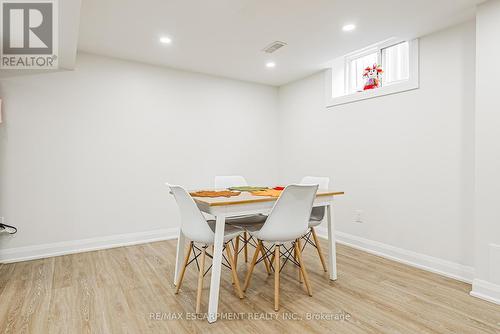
x: 225, y: 182
x: 287, y: 222
x: 317, y: 215
x: 196, y: 228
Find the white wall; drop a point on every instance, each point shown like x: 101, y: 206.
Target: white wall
x: 487, y: 226
x: 405, y: 160
x: 85, y: 153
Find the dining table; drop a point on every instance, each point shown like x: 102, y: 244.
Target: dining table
x: 244, y: 204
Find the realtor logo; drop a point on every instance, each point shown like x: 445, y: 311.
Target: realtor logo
x: 29, y: 34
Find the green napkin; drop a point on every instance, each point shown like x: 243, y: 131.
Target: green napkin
x: 247, y: 188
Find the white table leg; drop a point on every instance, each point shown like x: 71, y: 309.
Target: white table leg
x: 216, y: 268
x: 181, y: 246
x: 332, y: 249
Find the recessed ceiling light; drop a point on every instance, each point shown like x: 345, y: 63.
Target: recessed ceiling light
x: 349, y: 27
x: 165, y: 40
x: 270, y: 64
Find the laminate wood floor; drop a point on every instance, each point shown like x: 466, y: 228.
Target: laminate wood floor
x: 130, y: 290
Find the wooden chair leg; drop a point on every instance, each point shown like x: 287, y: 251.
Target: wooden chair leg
x: 200, y: 279
x: 318, y: 248
x: 236, y: 249
x: 298, y: 251
x: 252, y: 265
x: 245, y: 248
x: 226, y: 245
x: 234, y: 272
x: 296, y: 259
x: 186, y: 260
x: 266, y: 262
x: 276, y: 277
x: 303, y: 269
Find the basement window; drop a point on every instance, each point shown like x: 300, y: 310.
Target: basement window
x: 397, y: 59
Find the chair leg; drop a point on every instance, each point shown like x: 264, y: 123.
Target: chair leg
x: 296, y: 259
x: 186, y: 260
x: 200, y: 279
x: 234, y: 272
x: 318, y: 248
x: 236, y: 249
x: 266, y: 262
x: 252, y: 265
x: 226, y: 245
x: 303, y: 269
x: 298, y: 251
x: 272, y: 262
x: 245, y: 248
x: 276, y: 277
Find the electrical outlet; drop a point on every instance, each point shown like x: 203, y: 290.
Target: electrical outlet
x: 358, y: 216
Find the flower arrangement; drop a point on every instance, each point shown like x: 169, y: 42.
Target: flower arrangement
x: 373, y: 75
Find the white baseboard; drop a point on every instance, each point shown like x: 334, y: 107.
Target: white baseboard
x: 18, y: 254
x: 439, y: 266
x: 486, y: 290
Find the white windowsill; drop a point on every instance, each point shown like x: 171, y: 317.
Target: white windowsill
x: 370, y: 94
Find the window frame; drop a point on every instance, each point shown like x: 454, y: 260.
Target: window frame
x: 393, y: 88
x: 347, y: 66
x: 384, y: 64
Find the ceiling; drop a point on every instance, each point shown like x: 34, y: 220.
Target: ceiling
x: 225, y: 37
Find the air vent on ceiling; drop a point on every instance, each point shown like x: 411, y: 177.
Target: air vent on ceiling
x: 274, y: 46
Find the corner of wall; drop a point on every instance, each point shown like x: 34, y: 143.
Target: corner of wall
x: 486, y: 291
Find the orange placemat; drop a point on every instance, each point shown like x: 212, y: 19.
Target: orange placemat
x: 210, y: 193
x: 268, y: 192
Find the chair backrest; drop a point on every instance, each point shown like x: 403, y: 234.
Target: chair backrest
x: 193, y: 224
x: 317, y: 213
x: 289, y: 217
x: 322, y: 182
x: 224, y: 182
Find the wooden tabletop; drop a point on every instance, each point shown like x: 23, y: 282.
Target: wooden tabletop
x: 245, y: 197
